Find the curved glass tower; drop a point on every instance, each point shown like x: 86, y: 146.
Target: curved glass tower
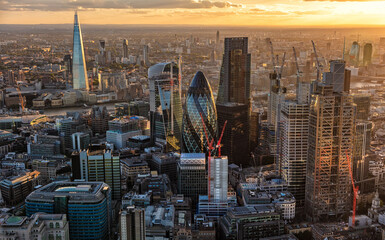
x: 199, y: 101
x: 79, y: 71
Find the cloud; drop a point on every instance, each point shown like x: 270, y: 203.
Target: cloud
x: 65, y: 5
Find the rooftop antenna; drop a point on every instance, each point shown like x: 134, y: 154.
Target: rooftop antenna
x: 343, y: 51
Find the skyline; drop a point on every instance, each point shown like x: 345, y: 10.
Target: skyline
x: 196, y: 12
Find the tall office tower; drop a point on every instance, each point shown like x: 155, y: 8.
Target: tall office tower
x: 368, y: 51
x: 199, y: 104
x: 87, y: 205
x: 295, y: 133
x: 217, y: 39
x: 165, y: 105
x: 99, y: 118
x: 362, y: 138
x: 234, y: 84
x: 192, y: 177
x: 331, y: 134
x: 132, y: 223
x: 79, y: 70
x: 236, y: 135
x: 68, y: 65
x: 125, y: 48
x: 98, y: 164
x: 354, y: 54
x: 145, y: 55
x: 233, y: 92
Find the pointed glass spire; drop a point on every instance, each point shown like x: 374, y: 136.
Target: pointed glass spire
x: 79, y: 71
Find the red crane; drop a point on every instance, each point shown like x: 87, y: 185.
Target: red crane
x: 355, y: 190
x: 210, y: 148
x: 220, y: 139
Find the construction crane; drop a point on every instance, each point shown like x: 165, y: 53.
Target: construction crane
x: 210, y: 148
x: 220, y: 139
x: 272, y: 55
x: 299, y: 73
x: 279, y: 76
x: 319, y: 66
x: 355, y: 190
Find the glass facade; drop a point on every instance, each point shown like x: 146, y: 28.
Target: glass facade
x: 199, y: 101
x: 88, y: 207
x: 165, y: 104
x: 79, y: 71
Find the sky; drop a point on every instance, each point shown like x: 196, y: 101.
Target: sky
x: 265, y: 13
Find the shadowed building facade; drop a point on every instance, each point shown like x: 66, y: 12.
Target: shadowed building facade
x: 233, y: 102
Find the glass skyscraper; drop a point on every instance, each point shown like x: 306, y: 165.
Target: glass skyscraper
x: 199, y: 101
x: 79, y: 71
x: 165, y: 105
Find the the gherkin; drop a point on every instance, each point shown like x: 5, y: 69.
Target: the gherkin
x: 199, y: 102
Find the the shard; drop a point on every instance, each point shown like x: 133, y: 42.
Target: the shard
x: 79, y: 71
x: 199, y: 104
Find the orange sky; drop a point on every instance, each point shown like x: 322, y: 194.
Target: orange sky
x: 213, y: 12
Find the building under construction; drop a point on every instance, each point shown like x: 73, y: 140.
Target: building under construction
x: 331, y: 133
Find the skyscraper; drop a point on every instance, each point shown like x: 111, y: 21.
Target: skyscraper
x: 368, y: 51
x: 234, y: 85
x: 331, y: 132
x: 79, y: 70
x: 125, y: 48
x: 199, y: 104
x: 165, y: 105
x: 233, y: 102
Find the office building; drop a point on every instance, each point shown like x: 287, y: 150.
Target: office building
x: 37, y: 226
x: 235, y: 139
x: 331, y: 134
x: 165, y: 163
x: 233, y: 101
x: 354, y: 54
x: 200, y: 106
x: 363, y: 106
x: 165, y: 105
x: 80, y: 141
x: 234, y: 85
x: 132, y: 223
x: 87, y: 205
x: 68, y: 126
x: 46, y: 168
x: 368, y: 51
x: 125, y: 48
x: 99, y: 118
x: 294, y: 142
x: 218, y: 182
x: 192, y: 178
x: 15, y: 189
x: 158, y: 185
x: 79, y: 70
x: 132, y: 167
x: 251, y: 223
x: 159, y: 221
x: 98, y: 164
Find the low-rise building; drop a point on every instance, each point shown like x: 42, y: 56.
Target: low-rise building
x: 38, y: 226
x: 160, y: 221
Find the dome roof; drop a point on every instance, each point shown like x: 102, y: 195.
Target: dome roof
x: 199, y: 85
